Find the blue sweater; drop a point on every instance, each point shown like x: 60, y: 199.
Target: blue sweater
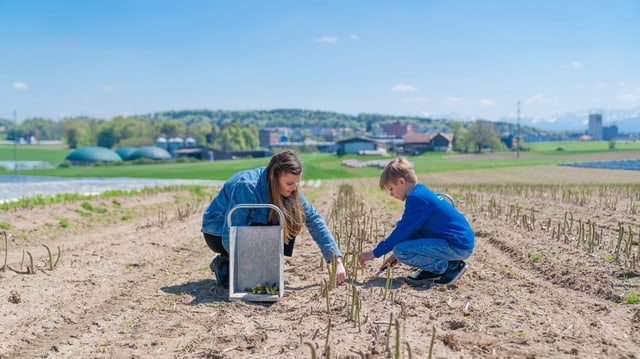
x: 426, y: 215
x: 250, y: 187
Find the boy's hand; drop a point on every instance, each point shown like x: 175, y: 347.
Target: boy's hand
x: 365, y: 257
x: 389, y: 262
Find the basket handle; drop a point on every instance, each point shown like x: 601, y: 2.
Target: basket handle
x: 447, y: 197
x: 256, y: 205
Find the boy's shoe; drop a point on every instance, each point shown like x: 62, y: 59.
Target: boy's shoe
x: 220, y: 266
x: 453, y: 274
x: 424, y: 275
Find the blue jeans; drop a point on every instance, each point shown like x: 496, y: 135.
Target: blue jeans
x: 429, y: 254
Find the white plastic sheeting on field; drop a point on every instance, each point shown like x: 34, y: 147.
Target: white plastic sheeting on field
x: 15, y: 187
x: 631, y: 165
x: 24, y: 165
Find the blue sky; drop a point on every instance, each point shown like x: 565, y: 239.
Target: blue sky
x: 476, y: 59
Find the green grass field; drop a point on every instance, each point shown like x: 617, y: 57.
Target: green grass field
x: 316, y: 166
x: 51, y: 154
x: 576, y: 147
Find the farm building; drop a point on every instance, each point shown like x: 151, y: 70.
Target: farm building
x: 203, y: 153
x: 359, y: 145
x: 92, y: 154
x: 209, y: 154
x: 250, y: 153
x: 427, y: 142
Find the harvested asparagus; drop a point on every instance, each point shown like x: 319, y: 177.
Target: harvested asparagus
x: 264, y: 288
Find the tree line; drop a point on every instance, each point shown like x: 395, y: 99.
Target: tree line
x: 238, y: 130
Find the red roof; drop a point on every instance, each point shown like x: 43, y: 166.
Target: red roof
x: 419, y: 138
x: 426, y: 137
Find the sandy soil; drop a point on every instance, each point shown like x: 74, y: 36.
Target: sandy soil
x: 133, y: 280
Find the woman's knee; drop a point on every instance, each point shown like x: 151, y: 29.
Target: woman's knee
x: 215, y: 243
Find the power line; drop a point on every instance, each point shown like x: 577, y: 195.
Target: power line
x: 15, y: 145
x: 518, y: 133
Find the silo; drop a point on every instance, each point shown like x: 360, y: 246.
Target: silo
x: 174, y: 144
x: 161, y: 142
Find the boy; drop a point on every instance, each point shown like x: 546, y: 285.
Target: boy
x: 431, y: 235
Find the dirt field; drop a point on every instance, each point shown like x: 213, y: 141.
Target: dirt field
x: 133, y: 280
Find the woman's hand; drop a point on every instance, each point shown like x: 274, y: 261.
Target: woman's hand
x: 341, y: 272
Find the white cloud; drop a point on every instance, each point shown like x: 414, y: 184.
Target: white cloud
x: 576, y: 65
x: 403, y: 88
x: 354, y: 37
x: 486, y: 102
x: 109, y: 89
x: 326, y: 39
x: 18, y: 85
x: 631, y: 97
x: 535, y: 99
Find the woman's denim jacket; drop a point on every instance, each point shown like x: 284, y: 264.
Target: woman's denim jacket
x: 250, y: 187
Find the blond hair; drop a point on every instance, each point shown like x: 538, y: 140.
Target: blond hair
x: 280, y: 164
x: 396, y: 169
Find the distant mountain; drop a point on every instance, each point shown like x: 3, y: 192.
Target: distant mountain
x: 628, y: 121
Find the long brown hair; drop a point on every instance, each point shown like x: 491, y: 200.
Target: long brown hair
x: 280, y: 164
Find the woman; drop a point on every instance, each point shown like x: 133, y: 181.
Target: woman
x: 276, y: 184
